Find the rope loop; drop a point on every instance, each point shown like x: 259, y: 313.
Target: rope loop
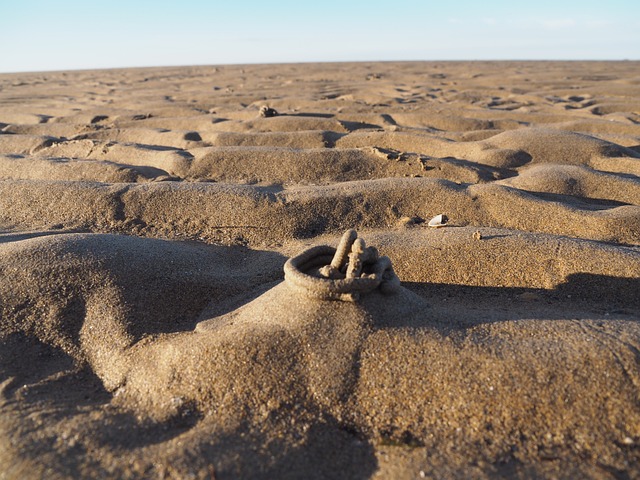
x: 342, y: 273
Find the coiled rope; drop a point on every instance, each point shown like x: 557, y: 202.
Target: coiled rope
x: 342, y: 273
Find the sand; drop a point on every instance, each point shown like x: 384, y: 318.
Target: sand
x: 147, y: 331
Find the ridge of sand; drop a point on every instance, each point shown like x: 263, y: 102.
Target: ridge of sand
x: 270, y: 213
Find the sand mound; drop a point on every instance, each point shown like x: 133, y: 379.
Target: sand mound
x: 577, y: 181
x: 290, y: 166
x: 24, y: 144
x: 146, y: 136
x: 304, y: 139
x: 19, y: 167
x: 151, y: 325
x: 264, y: 215
x: 170, y: 160
x: 296, y: 364
x: 564, y: 147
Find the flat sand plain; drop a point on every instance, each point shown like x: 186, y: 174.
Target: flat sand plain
x: 146, y: 215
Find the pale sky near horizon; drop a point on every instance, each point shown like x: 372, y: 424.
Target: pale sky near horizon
x: 41, y: 35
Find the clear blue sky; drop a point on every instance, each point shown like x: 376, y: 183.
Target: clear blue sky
x: 40, y: 35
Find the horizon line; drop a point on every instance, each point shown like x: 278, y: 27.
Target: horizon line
x: 303, y: 62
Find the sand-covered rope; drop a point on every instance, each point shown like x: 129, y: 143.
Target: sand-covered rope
x: 342, y: 273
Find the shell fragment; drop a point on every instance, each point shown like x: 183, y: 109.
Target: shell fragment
x: 439, y: 221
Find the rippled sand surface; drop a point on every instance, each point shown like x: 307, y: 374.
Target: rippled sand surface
x: 137, y: 204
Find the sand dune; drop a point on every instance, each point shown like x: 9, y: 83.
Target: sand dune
x: 147, y: 331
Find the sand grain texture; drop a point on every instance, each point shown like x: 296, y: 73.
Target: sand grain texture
x: 146, y: 215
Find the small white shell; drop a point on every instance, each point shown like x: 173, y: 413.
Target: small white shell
x: 438, y: 221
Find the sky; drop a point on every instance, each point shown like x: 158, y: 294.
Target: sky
x: 42, y: 35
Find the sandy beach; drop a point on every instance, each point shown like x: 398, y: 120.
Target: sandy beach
x: 147, y: 329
